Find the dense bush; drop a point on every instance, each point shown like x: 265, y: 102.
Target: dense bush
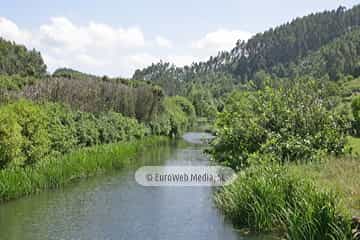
x: 293, y: 121
x: 61, y: 127
x: 11, y: 84
x: 24, y: 136
x: 15, y: 82
x: 203, y: 101
x: 86, y: 129
x: 11, y: 140
x: 177, y: 115
x: 97, y: 95
x: 113, y: 127
x: 355, y: 105
x: 29, y: 132
x: 268, y: 198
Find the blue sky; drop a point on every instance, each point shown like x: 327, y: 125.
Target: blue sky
x: 116, y: 37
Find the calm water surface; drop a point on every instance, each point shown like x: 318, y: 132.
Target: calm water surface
x: 116, y: 207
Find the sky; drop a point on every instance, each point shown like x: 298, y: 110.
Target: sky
x: 116, y: 37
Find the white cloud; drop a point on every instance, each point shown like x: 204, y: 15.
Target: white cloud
x: 10, y: 31
x: 94, y: 36
x: 100, y: 48
x: 163, y: 42
x: 141, y: 60
x: 182, y: 60
x: 221, y: 39
x: 95, y: 47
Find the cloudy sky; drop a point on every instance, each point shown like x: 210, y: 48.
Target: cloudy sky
x: 115, y: 37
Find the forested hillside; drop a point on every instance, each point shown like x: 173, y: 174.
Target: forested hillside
x: 283, y: 107
x: 289, y: 42
x: 321, y: 45
x: 337, y: 59
x: 16, y: 59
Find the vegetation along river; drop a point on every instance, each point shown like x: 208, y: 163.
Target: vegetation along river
x: 116, y: 207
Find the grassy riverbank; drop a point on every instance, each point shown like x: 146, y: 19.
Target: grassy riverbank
x: 274, y: 198
x: 339, y: 174
x: 298, y: 201
x: 57, y: 172
x: 290, y: 146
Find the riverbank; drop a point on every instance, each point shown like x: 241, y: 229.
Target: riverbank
x: 273, y: 198
x: 297, y: 201
x: 339, y: 174
x: 56, y: 172
x: 115, y: 206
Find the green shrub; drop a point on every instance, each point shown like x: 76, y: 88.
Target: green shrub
x: 61, y: 128
x: 114, y: 127
x: 355, y: 106
x: 28, y: 126
x: 181, y: 114
x: 110, y: 128
x: 185, y: 105
x: 86, y: 129
x: 203, y: 101
x: 160, y: 125
x: 30, y: 132
x: 11, y: 140
x: 33, y: 121
x: 15, y: 82
x: 177, y: 115
x: 293, y: 122
x: 133, y: 129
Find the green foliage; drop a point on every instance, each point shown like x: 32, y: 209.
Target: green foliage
x: 16, y: 59
x: 160, y: 125
x: 61, y: 127
x: 181, y: 114
x: 73, y: 74
x: 113, y: 127
x: 205, y: 88
x: 11, y: 140
x: 10, y: 85
x: 15, y: 82
x: 321, y: 45
x: 355, y: 105
x: 336, y: 59
x: 184, y: 104
x: 27, y: 125
x: 203, y: 101
x: 61, y: 170
x: 268, y: 198
x: 163, y: 74
x: 293, y: 122
x: 86, y: 129
x: 30, y: 132
x: 277, y: 49
x: 33, y: 122
x: 178, y: 114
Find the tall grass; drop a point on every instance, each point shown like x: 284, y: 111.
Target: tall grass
x: 268, y: 198
x: 340, y: 174
x: 57, y: 172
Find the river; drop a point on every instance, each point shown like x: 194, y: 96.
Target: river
x: 116, y: 207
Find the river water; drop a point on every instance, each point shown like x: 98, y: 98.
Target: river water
x: 116, y: 207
